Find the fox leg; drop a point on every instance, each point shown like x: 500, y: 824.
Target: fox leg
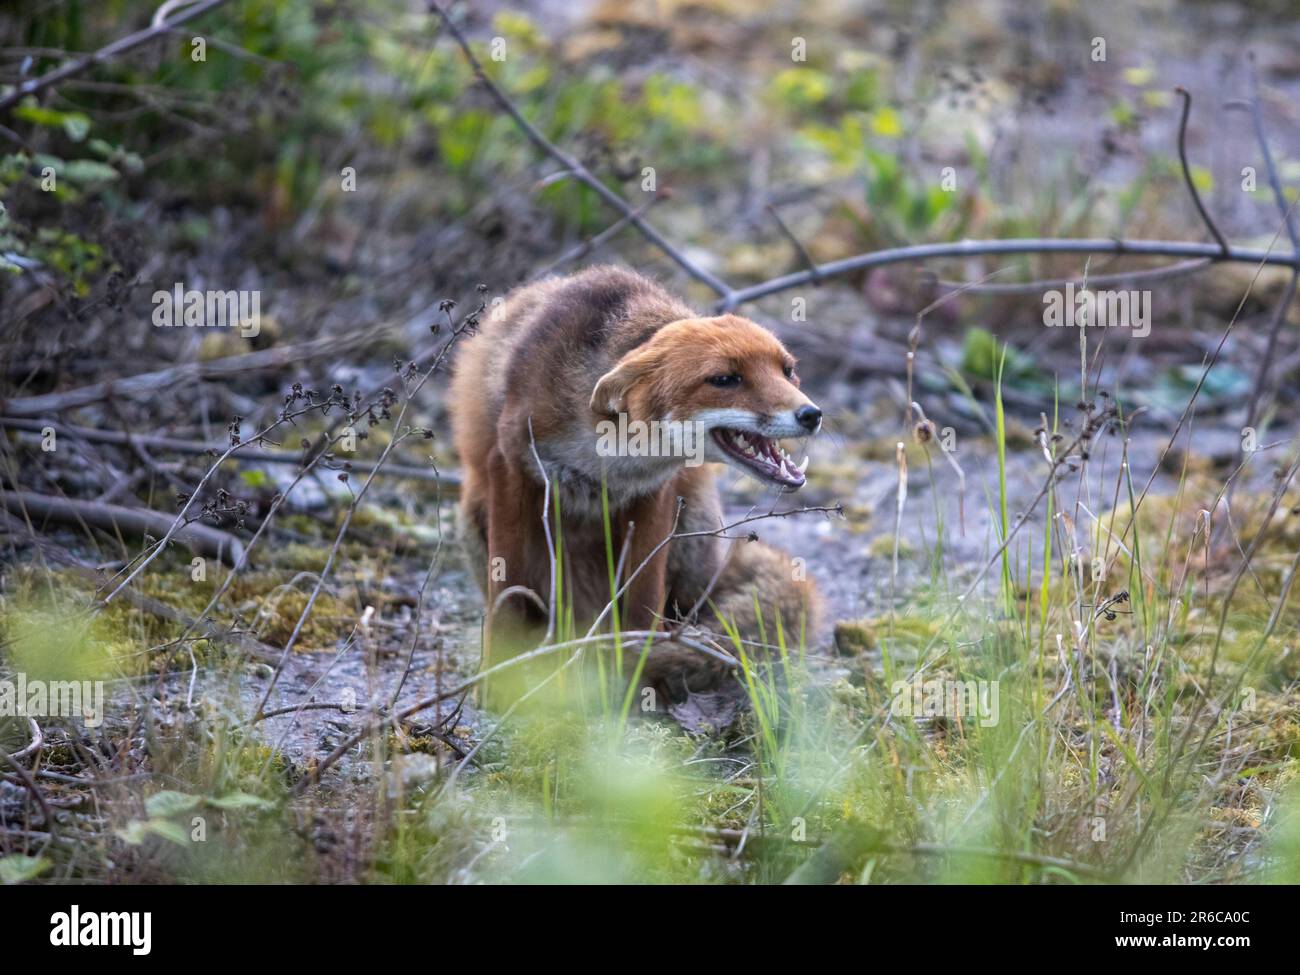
x: 652, y: 520
x: 511, y: 626
x: 471, y: 528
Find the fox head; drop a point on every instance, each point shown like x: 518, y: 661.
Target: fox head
x: 731, y: 378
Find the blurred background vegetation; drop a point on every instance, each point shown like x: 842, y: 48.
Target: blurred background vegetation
x: 849, y: 143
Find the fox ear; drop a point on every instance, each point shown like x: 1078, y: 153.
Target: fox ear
x: 610, y: 394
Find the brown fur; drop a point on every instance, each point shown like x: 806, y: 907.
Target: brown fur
x: 558, y: 357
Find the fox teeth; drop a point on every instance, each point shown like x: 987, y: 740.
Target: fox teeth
x: 804, y: 466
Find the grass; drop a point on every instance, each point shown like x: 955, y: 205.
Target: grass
x: 1144, y: 739
x: 1121, y: 749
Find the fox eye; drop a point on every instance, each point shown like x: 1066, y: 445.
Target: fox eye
x: 789, y: 372
x: 725, y: 381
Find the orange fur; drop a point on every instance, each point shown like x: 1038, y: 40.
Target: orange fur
x: 552, y: 362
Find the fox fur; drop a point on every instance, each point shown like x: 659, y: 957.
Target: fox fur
x: 555, y: 359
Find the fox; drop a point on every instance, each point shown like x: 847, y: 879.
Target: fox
x: 534, y: 394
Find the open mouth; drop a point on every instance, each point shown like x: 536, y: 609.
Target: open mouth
x: 761, y: 456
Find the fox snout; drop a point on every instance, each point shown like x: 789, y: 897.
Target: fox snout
x: 809, y: 417
x: 802, y: 420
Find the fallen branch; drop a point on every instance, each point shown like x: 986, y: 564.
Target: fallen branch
x: 798, y: 246
x: 600, y: 239
x: 1093, y: 281
x: 30, y: 785
x: 1016, y: 245
x: 164, y: 611
x: 199, y: 538
x: 38, y: 740
x: 196, y: 449
x: 151, y: 382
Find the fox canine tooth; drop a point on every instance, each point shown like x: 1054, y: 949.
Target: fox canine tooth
x: 804, y: 466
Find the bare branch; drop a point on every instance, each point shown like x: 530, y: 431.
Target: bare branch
x: 1015, y: 245
x: 575, y: 168
x: 196, y: 449
x: 149, y: 383
x: 105, y: 54
x: 802, y: 251
x: 591, y: 243
x: 202, y: 539
x: 1187, y: 170
x: 1279, y: 197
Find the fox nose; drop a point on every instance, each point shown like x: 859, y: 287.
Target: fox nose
x: 809, y: 417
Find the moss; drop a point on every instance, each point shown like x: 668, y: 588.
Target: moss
x: 882, y: 547
x: 853, y: 637
x: 50, y: 633
x: 301, y: 557
x: 274, y: 615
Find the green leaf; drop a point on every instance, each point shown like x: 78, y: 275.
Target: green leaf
x: 1138, y: 77
x: 169, y: 803
x: 862, y: 91
x: 240, y: 800
x: 981, y: 356
x: 138, y: 830
x: 885, y: 121
x: 800, y: 87
x: 117, y: 156
x: 17, y: 868
x: 76, y: 125
x: 459, y: 140
x: 86, y: 171
x: 47, y: 117
x: 133, y: 833
x: 172, y: 832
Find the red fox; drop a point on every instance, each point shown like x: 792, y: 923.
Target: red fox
x: 560, y: 368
